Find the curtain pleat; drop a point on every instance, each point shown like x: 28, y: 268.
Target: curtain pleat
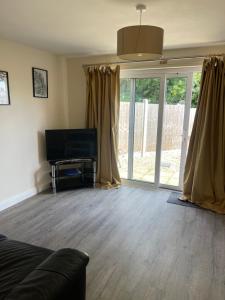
x: 103, y: 101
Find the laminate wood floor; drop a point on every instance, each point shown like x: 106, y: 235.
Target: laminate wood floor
x: 140, y: 247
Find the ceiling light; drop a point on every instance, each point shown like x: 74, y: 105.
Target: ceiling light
x: 140, y: 42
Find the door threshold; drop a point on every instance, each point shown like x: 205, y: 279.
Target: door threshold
x: 148, y: 185
x: 139, y: 184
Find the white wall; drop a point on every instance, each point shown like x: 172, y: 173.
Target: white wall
x: 23, y: 168
x: 77, y: 83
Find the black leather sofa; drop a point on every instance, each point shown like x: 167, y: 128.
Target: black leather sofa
x: 35, y: 273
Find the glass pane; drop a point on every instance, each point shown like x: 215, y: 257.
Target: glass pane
x: 172, y: 130
x: 147, y: 92
x: 195, y: 88
x: 125, y: 99
x: 194, y: 101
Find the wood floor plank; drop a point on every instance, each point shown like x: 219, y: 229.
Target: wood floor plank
x: 140, y: 246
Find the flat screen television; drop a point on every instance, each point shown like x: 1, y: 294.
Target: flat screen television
x: 64, y: 144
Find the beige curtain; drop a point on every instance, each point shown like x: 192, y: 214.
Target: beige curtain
x: 204, y: 177
x: 103, y: 88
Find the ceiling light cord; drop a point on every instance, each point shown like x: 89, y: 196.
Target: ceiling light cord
x: 140, y: 18
x: 140, y: 8
x: 138, y: 39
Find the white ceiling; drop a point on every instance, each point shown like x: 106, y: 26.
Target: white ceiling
x: 88, y: 27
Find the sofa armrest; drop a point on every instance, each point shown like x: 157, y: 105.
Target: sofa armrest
x: 2, y: 237
x: 61, y: 276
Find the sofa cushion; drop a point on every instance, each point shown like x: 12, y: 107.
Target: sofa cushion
x: 60, y: 276
x: 17, y: 259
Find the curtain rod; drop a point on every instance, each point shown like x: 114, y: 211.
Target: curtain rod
x: 161, y: 60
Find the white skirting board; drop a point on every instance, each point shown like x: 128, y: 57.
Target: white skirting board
x: 11, y: 201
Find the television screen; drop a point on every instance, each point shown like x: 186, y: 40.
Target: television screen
x: 71, y: 143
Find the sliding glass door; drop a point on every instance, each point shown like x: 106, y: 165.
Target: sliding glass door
x: 145, y: 128
x: 125, y: 101
x: 174, y: 129
x: 156, y: 118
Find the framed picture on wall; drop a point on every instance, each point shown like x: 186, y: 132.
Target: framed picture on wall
x: 4, y: 88
x: 40, y: 83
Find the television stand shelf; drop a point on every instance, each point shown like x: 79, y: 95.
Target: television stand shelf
x: 72, y: 173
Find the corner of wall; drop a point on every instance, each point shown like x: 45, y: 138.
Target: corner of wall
x: 24, y: 170
x: 64, y: 90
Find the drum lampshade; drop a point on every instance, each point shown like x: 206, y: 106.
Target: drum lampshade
x: 140, y: 42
